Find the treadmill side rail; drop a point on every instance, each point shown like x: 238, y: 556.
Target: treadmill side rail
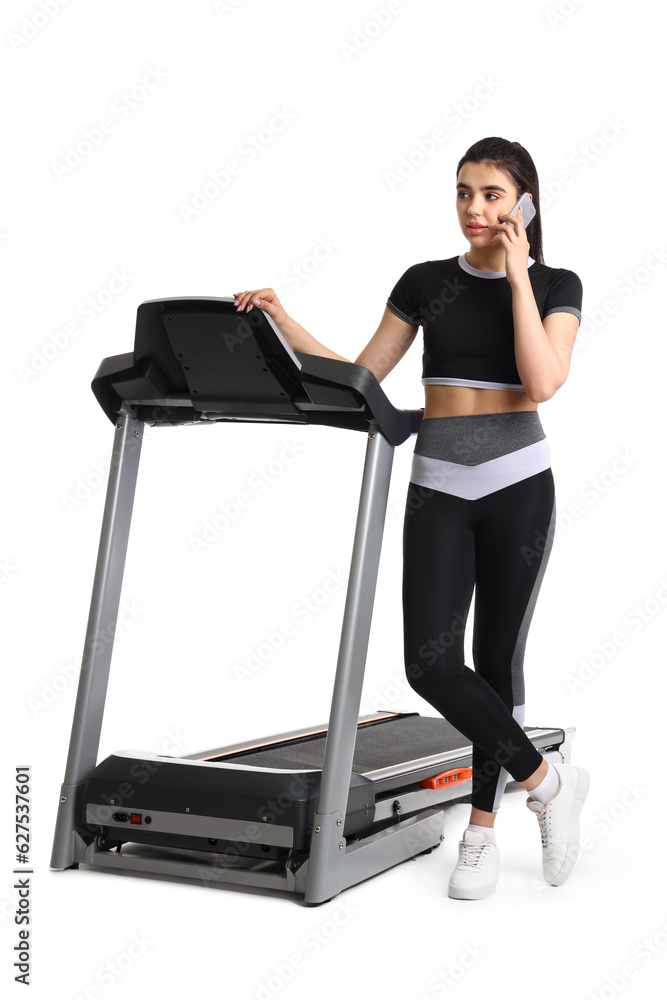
x: 327, y: 854
x: 100, y: 630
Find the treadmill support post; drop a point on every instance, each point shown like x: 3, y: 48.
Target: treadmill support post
x: 327, y: 850
x: 100, y: 630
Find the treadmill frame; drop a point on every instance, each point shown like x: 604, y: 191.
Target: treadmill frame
x: 332, y: 865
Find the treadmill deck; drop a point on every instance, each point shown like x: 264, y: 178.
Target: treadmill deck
x: 383, y: 742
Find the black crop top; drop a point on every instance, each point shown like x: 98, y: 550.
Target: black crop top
x: 466, y: 315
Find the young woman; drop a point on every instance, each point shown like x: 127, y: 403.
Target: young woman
x: 499, y: 327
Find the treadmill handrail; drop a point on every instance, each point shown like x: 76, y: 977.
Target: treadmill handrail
x: 154, y: 383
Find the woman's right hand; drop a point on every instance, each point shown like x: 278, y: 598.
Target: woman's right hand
x: 263, y: 298
x: 298, y: 339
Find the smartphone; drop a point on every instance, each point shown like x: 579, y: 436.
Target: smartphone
x: 526, y: 205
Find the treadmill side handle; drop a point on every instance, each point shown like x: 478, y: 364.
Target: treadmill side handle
x: 456, y: 776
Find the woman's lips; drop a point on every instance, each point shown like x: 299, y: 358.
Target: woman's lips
x: 475, y: 230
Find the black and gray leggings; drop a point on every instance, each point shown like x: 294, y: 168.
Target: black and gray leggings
x: 480, y: 513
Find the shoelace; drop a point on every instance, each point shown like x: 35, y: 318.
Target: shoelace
x: 543, y: 820
x: 471, y: 853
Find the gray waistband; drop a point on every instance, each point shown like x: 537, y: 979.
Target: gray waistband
x: 477, y: 437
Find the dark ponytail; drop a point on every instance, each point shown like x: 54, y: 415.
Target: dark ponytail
x: 517, y: 162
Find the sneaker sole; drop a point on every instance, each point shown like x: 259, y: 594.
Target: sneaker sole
x: 572, y: 853
x: 456, y: 893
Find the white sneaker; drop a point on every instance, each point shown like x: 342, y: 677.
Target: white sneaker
x: 476, y: 873
x: 559, y: 822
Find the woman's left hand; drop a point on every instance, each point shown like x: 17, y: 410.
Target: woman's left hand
x: 513, y: 239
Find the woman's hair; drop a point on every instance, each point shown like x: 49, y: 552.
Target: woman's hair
x: 517, y: 162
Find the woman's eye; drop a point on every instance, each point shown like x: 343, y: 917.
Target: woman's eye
x: 464, y: 194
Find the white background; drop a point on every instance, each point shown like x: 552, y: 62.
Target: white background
x: 583, y: 90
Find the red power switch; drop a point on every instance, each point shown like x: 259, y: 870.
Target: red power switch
x: 456, y: 776
x: 135, y: 817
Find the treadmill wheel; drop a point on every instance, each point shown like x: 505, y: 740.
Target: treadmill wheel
x: 103, y: 843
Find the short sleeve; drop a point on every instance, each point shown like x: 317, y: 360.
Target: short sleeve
x: 405, y: 297
x: 565, y: 294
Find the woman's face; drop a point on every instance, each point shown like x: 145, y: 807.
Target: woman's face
x: 483, y: 192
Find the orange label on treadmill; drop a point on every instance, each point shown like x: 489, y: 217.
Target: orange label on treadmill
x: 453, y: 777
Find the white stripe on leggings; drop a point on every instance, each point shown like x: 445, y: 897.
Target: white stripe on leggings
x: 474, y: 481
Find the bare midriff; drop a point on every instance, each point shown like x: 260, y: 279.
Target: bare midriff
x: 459, y: 400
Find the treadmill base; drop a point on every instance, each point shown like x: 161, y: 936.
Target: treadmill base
x: 363, y: 858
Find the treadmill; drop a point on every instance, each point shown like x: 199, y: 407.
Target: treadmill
x: 312, y: 811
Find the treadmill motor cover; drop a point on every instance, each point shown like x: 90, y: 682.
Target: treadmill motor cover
x: 259, y: 798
